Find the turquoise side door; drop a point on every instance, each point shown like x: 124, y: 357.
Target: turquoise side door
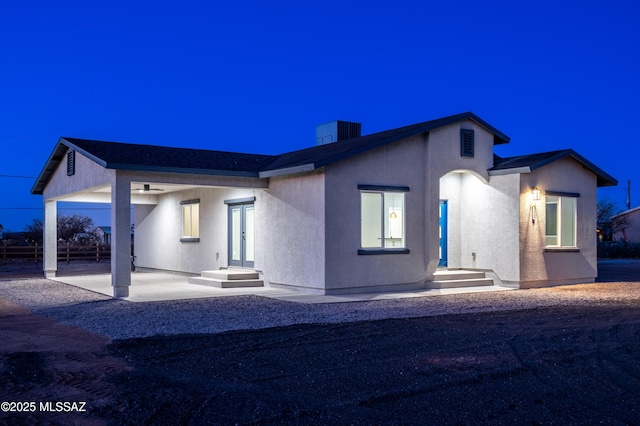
x: 442, y: 230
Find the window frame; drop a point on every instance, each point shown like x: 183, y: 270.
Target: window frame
x: 189, y: 205
x: 559, y: 197
x: 384, y: 227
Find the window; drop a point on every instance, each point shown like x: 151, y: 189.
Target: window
x: 561, y: 221
x: 190, y: 220
x: 382, y: 219
x: 466, y: 143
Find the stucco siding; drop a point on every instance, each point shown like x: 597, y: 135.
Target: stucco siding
x: 444, y: 150
x: 158, y: 230
x: 483, y: 223
x: 87, y: 175
x: 500, y: 244
x: 544, y: 267
x: 293, y: 244
x: 443, y: 157
x: 400, y: 164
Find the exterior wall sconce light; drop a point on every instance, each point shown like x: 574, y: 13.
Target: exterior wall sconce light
x: 536, y: 194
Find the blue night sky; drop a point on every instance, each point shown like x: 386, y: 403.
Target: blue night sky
x: 257, y: 76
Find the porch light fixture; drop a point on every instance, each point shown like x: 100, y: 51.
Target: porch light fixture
x: 393, y: 215
x: 536, y: 194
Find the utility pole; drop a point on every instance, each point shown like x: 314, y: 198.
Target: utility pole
x: 629, y: 194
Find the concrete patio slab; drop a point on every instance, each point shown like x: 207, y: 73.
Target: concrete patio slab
x: 161, y: 286
x: 156, y: 287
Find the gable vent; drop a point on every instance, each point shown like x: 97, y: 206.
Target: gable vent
x: 71, y: 163
x: 466, y: 143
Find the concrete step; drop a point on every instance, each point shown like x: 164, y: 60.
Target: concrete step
x: 231, y: 274
x: 222, y: 283
x: 473, y: 282
x: 457, y: 275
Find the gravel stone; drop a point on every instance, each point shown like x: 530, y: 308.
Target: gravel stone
x: 120, y: 319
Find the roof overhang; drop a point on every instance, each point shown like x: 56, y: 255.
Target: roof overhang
x: 288, y: 171
x: 603, y: 178
x: 509, y: 171
x: 54, y: 160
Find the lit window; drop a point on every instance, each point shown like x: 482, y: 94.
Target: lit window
x: 190, y: 219
x: 382, y: 220
x: 561, y: 221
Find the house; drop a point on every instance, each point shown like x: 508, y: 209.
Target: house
x: 628, y: 226
x: 104, y: 234
x: 380, y: 212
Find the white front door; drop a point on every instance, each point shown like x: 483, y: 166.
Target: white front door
x: 241, y: 235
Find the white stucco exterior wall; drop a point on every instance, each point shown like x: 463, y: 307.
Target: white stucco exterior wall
x: 443, y: 157
x: 293, y: 245
x: 499, y: 247
x: 543, y: 267
x: 398, y: 164
x: 158, y: 230
x: 483, y: 219
x: 87, y: 175
x: 418, y: 163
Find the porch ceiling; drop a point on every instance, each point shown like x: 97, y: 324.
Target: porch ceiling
x: 102, y: 194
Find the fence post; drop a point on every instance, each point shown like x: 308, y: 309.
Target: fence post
x: 4, y: 253
x: 68, y: 253
x: 36, y: 246
x: 97, y: 252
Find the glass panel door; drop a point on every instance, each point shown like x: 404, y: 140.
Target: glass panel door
x: 235, y: 243
x: 242, y: 235
x: 249, y: 238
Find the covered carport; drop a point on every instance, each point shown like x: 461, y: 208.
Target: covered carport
x: 124, y: 175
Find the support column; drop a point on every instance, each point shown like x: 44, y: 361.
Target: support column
x: 50, y: 258
x: 120, y: 236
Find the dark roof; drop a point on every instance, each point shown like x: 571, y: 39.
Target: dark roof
x: 528, y: 163
x: 125, y: 156
x: 117, y: 155
x: 319, y: 156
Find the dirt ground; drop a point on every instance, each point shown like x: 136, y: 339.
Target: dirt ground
x: 557, y: 365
